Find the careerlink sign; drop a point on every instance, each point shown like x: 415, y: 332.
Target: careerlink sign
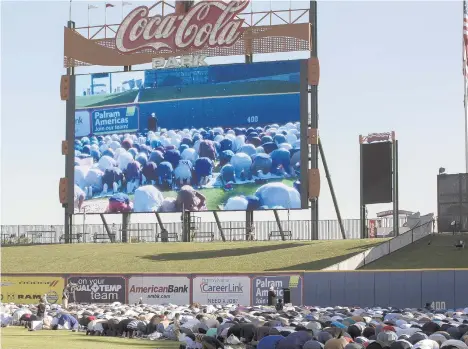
x: 114, y: 120
x: 221, y: 290
x: 261, y: 285
x: 98, y: 289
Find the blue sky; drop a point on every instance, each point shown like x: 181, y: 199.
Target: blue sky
x: 385, y: 65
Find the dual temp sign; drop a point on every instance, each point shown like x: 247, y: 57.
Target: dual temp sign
x: 106, y: 120
x: 98, y: 289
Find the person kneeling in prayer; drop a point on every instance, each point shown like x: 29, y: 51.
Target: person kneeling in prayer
x: 119, y: 203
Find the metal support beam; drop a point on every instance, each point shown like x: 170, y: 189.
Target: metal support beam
x: 362, y: 206
x: 363, y: 222
x: 70, y: 157
x: 164, y: 233
x: 108, y: 229
x: 313, y: 122
x: 160, y: 222
x: 249, y: 218
x: 71, y: 70
x: 186, y: 226
x: 127, y: 68
x: 66, y: 228
x: 396, y: 225
x: 125, y: 223
x: 332, y: 190
x: 220, y: 228
x: 280, y: 227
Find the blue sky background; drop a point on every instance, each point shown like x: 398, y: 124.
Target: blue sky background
x: 385, y: 65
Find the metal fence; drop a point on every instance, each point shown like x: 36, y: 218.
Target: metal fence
x: 205, y: 231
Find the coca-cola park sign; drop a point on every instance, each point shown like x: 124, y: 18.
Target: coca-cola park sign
x: 206, y: 24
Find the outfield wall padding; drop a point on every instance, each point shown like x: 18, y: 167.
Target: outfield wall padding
x: 447, y: 289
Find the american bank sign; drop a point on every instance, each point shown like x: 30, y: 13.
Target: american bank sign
x: 206, y: 24
x: 159, y: 289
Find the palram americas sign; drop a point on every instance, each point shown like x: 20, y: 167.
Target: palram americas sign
x: 206, y: 24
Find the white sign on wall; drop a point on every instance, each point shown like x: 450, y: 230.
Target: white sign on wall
x: 82, y: 123
x: 159, y: 289
x: 221, y: 290
x: 183, y: 61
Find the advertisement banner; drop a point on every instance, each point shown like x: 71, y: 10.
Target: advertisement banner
x: 115, y: 120
x: 261, y: 285
x: 30, y: 289
x: 82, y: 123
x: 159, y: 289
x: 97, y: 289
x: 221, y: 290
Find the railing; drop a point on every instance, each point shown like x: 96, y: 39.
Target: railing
x: 251, y: 19
x: 148, y: 232
x: 423, y: 229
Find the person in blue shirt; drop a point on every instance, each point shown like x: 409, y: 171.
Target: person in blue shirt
x: 65, y: 319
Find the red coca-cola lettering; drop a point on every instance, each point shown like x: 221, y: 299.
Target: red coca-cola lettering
x: 206, y: 24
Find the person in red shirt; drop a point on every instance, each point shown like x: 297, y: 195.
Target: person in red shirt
x: 119, y: 203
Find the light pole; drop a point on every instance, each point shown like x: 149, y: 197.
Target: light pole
x: 84, y: 224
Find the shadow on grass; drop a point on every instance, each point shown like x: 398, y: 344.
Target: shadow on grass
x: 315, y: 265
x: 24, y: 245
x: 363, y: 247
x: 124, y: 342
x: 36, y: 339
x: 233, y: 252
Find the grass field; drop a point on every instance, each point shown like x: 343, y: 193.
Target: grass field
x: 436, y: 251
x: 180, y: 257
x: 102, y: 100
x: 20, y: 338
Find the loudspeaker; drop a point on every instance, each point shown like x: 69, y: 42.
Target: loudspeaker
x: 286, y: 295
x: 314, y: 183
x: 63, y: 190
x: 312, y: 136
x: 314, y: 71
x: 64, y: 148
x: 376, y: 173
x: 64, y: 87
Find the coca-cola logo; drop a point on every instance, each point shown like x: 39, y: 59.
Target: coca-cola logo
x: 206, y: 24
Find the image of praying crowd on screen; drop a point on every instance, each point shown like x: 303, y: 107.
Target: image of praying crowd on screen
x: 194, y: 170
